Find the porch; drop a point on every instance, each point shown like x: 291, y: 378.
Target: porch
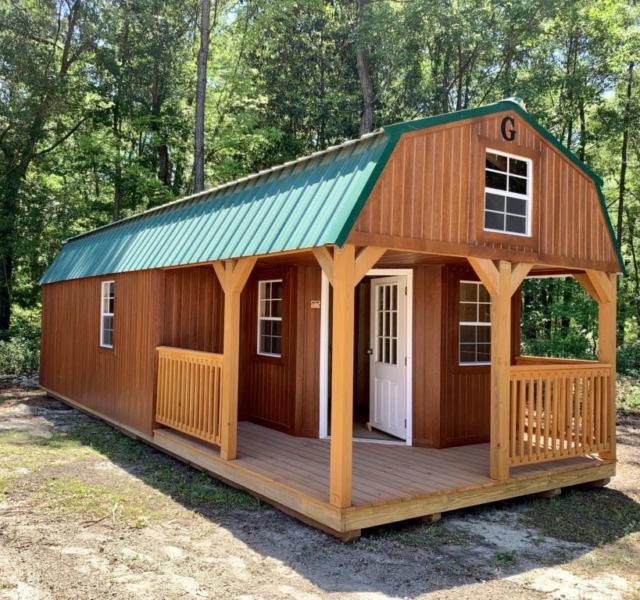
x: 559, y: 434
x: 390, y: 483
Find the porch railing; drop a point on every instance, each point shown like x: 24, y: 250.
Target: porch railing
x: 189, y: 387
x: 558, y: 410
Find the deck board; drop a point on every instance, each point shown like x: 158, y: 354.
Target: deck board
x: 390, y: 482
x: 381, y: 472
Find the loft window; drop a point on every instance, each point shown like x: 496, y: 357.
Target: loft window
x: 507, y: 194
x: 475, y: 324
x: 270, y: 318
x: 106, y: 314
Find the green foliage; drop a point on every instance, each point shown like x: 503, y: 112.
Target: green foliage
x: 20, y: 346
x: 96, y: 113
x: 558, y: 319
x: 628, y: 359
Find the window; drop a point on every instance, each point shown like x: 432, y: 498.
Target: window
x: 507, y: 196
x: 270, y: 318
x: 106, y: 317
x: 475, y: 324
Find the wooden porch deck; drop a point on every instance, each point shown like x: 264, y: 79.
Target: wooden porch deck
x: 390, y: 482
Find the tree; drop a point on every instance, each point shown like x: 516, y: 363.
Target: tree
x: 42, y: 104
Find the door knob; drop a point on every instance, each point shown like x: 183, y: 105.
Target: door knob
x: 370, y: 351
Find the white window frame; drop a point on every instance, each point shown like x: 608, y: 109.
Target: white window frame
x: 261, y: 318
x: 106, y: 287
x: 476, y: 323
x: 526, y: 197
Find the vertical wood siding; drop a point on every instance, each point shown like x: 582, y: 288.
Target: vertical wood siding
x: 430, y: 198
x: 194, y: 310
x: 268, y: 384
x: 118, y: 382
x: 308, y: 352
x: 428, y: 354
x: 466, y: 406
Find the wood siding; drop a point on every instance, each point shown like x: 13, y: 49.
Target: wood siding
x: 431, y: 193
x: 118, y: 383
x: 308, y: 352
x: 267, y: 383
x: 194, y: 310
x: 428, y: 355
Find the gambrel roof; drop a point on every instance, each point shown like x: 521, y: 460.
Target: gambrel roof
x: 310, y: 202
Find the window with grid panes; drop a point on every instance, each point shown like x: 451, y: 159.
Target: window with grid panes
x: 106, y: 314
x: 475, y: 324
x: 270, y: 318
x: 507, y: 197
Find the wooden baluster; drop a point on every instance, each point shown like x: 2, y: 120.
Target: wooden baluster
x: 524, y: 387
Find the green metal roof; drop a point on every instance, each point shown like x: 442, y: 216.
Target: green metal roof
x: 299, y: 205
x: 306, y: 203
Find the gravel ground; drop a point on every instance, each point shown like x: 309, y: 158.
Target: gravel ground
x: 86, y: 512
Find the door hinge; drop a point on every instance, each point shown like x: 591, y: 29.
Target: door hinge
x: 405, y: 423
x: 405, y: 361
x: 405, y: 290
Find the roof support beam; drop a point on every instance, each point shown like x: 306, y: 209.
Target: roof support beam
x: 519, y: 273
x: 487, y: 273
x: 323, y: 256
x: 602, y: 285
x: 365, y: 259
x: 233, y: 275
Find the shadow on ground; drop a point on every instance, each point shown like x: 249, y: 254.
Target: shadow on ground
x: 406, y: 559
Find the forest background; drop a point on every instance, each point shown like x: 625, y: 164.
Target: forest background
x: 98, y: 109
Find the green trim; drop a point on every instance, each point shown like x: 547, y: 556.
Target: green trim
x: 368, y: 188
x: 607, y: 220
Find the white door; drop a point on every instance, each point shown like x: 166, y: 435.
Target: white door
x: 388, y: 401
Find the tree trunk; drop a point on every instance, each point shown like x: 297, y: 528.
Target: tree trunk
x: 9, y: 209
x: 201, y: 92
x: 623, y: 154
x: 364, y: 77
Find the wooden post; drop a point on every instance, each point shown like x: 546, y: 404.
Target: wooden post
x: 340, y: 478
x: 233, y: 276
x: 344, y: 269
x: 607, y: 354
x: 500, y: 374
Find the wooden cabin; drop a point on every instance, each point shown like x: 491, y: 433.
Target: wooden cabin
x: 340, y: 335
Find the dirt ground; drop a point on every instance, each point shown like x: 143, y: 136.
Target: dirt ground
x: 86, y: 512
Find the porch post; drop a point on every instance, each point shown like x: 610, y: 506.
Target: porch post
x: 602, y: 288
x: 233, y: 276
x: 607, y: 354
x: 341, y: 461
x: 500, y: 373
x: 344, y: 269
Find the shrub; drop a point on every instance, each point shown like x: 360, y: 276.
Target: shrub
x: 628, y: 359
x: 20, y: 346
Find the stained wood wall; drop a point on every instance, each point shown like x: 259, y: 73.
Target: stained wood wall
x: 430, y: 198
x: 194, y: 310
x: 267, y: 384
x: 118, y: 383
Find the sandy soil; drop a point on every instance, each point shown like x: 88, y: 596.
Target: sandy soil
x: 85, y: 523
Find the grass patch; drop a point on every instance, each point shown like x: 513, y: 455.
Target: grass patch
x: 19, y: 448
x: 505, y: 559
x: 584, y: 515
x: 421, y: 536
x: 71, y: 496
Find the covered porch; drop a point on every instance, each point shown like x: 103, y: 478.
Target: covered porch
x: 552, y: 420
